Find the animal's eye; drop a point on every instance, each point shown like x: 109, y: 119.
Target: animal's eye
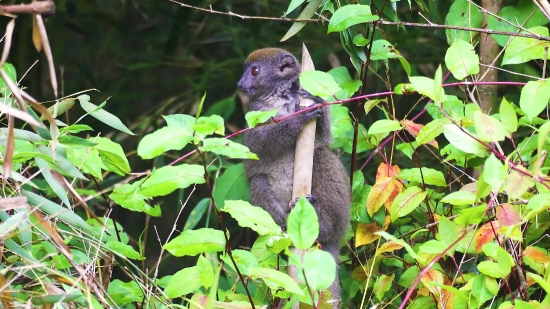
x: 255, y: 71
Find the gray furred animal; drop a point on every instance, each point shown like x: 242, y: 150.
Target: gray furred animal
x: 270, y: 79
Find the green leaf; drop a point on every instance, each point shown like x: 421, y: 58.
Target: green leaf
x: 433, y: 247
x: 426, y: 175
x: 382, y: 49
x: 194, y: 242
x: 383, y: 284
x: 537, y: 204
x: 538, y: 279
x: 406, y: 201
x: 228, y: 148
x: 488, y: 128
x: 491, y: 269
x: 319, y: 268
x: 162, y: 140
x: 481, y: 289
x: 206, y: 272
x: 183, y: 282
x: 463, y: 141
x: 209, y: 125
x: 360, y: 40
x: 430, y: 131
x: 275, y: 279
x: 75, y: 128
x: 521, y: 49
x: 525, y: 14
x: 101, y: 114
x: 384, y: 126
x: 244, y: 260
x: 544, y: 133
x: 57, y: 211
x: 125, y: 292
x: 23, y: 135
x: 54, y: 184
x: 253, y: 118
x: 347, y: 85
x: 472, y: 215
x: 112, y: 156
x: 75, y: 142
x: 231, y: 185
x: 303, y: 224
x: 124, y: 250
x: 166, y: 179
x: 308, y: 12
x: 61, y: 163
x: 13, y: 221
x: 59, y: 108
x: 427, y: 86
x: 534, y: 98
x: 293, y: 5
x: 459, y: 198
x: 196, y: 214
x: 447, y: 234
x: 462, y: 14
x: 88, y: 161
x: 494, y: 173
x: 503, y: 258
x: 349, y: 15
x: 508, y: 117
x: 253, y: 217
x: 319, y: 84
x: 461, y: 59
x: 127, y: 196
x: 12, y: 74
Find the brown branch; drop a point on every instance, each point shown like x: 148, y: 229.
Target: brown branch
x: 45, y: 8
x: 383, y: 22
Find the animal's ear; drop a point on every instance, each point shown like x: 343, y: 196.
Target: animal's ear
x: 287, y: 65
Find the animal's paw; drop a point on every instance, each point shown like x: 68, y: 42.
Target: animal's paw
x: 311, y: 199
x: 305, y: 94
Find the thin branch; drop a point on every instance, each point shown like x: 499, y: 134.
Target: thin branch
x: 382, y: 22
x: 45, y: 8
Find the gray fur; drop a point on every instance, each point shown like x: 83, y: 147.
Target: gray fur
x: 277, y: 86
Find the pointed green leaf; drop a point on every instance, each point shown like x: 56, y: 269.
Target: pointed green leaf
x: 463, y: 141
x: 101, y: 114
x: 534, y: 98
x: 461, y: 59
x: 349, y: 15
x: 488, y: 128
x: 194, y: 242
x: 162, y: 140
x: 166, y: 179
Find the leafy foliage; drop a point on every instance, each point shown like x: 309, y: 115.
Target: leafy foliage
x: 449, y: 205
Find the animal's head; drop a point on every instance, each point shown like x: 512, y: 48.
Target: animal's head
x: 267, y: 69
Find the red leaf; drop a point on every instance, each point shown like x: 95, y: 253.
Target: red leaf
x: 485, y: 234
x: 507, y: 215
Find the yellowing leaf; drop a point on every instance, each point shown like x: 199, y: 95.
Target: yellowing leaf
x: 406, y: 202
x: 364, y: 234
x: 485, y: 234
x: 488, y: 128
x: 518, y: 183
x: 536, y: 254
x: 389, y: 246
x: 435, y: 276
x: 379, y: 194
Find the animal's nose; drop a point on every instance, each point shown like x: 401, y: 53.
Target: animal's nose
x: 240, y: 85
